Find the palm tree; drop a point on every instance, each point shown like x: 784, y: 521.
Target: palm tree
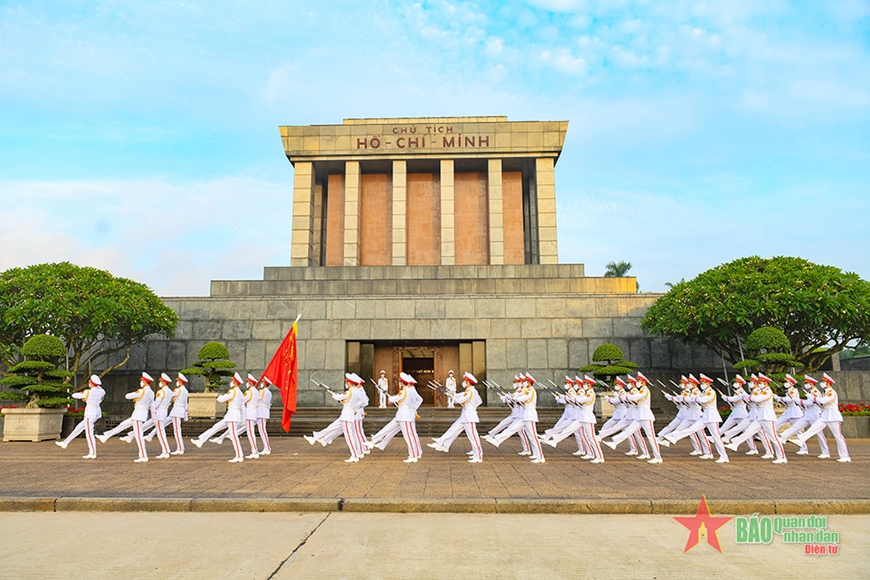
x: 617, y: 269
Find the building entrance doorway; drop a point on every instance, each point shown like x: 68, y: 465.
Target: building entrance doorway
x: 419, y: 362
x: 426, y: 361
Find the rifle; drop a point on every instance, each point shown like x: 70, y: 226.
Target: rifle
x: 322, y: 386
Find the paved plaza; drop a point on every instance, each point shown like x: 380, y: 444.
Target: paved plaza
x: 299, y: 471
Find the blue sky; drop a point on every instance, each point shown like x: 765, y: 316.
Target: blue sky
x: 142, y: 137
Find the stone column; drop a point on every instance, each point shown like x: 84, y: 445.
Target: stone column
x: 302, y: 239
x: 448, y: 244
x: 351, y: 213
x: 496, y: 212
x: 317, y: 225
x: 546, y: 186
x: 400, y: 210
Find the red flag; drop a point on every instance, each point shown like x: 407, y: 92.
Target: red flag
x: 282, y: 371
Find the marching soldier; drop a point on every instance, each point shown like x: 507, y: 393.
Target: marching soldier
x: 142, y: 399
x: 235, y: 403
x: 709, y: 419
x: 640, y: 396
x: 407, y: 401
x: 92, y: 396
x: 765, y: 418
x: 812, y: 413
x: 252, y: 402
x: 345, y: 422
x: 264, y: 407
x: 179, y: 412
x: 831, y: 418
x: 469, y: 400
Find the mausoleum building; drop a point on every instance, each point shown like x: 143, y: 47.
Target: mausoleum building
x: 422, y: 245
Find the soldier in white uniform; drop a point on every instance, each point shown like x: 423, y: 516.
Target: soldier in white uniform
x: 450, y: 386
x: 514, y: 419
x: 92, y: 396
x: 527, y: 397
x: 765, y: 418
x: 469, y: 400
x: 160, y: 413
x: 179, y: 412
x: 264, y: 409
x: 738, y: 405
x: 812, y: 413
x: 360, y: 402
x: 640, y: 396
x: 407, y: 401
x: 584, y: 424
x: 235, y: 401
x: 791, y: 400
x: 710, y: 419
x: 344, y: 424
x: 383, y: 390
x: 831, y: 418
x: 252, y: 402
x: 142, y: 398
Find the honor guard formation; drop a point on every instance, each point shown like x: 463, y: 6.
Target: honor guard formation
x: 752, y: 417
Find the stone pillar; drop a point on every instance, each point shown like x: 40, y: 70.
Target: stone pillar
x: 546, y: 189
x: 302, y: 239
x: 496, y: 212
x: 448, y: 244
x: 317, y: 224
x: 351, y: 213
x: 400, y: 209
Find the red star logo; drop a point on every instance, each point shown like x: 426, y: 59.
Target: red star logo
x: 703, y: 524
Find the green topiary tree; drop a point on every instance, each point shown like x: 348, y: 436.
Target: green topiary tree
x: 37, y: 378
x: 768, y: 351
x: 214, y: 364
x: 609, y: 363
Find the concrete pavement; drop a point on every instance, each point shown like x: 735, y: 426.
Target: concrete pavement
x: 283, y: 546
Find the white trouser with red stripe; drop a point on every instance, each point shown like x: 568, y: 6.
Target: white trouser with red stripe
x: 635, y: 427
x: 505, y: 423
x: 232, y: 431
x: 339, y: 427
x: 767, y: 432
x: 804, y: 424
x: 140, y: 441
x: 86, y: 425
x: 264, y: 437
x: 251, y: 429
x: 530, y: 429
x: 360, y: 434
x: 699, y: 426
x: 176, y: 430
x: 160, y: 426
x: 836, y: 430
x: 449, y: 436
x: 585, y: 433
x: 409, y: 432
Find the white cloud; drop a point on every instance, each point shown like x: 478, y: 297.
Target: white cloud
x: 175, y: 237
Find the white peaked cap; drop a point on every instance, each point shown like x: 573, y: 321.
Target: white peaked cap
x: 252, y: 378
x: 642, y: 377
x: 182, y: 378
x: 530, y: 378
x: 147, y: 377
x: 739, y: 379
x: 267, y: 380
x: 237, y: 379
x: 407, y: 379
x: 588, y: 380
x: 705, y: 378
x: 356, y: 378
x: 827, y: 378
x: 470, y: 378
x: 165, y: 378
x: 578, y: 380
x: 811, y: 380
x: 790, y: 379
x: 95, y: 380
